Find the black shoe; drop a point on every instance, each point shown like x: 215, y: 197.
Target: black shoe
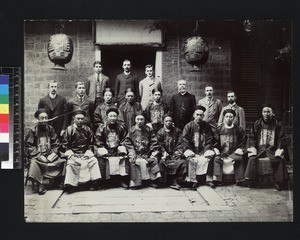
x: 194, y: 186
x: 123, y: 185
x: 153, y: 185
x: 175, y: 187
x: 279, y: 186
x: 42, y: 190
x: 217, y: 183
x: 211, y: 185
x: 136, y: 187
x: 69, y: 189
x: 245, y: 183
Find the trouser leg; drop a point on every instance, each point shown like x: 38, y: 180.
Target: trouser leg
x: 250, y: 172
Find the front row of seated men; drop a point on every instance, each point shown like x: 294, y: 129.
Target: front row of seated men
x: 139, y: 157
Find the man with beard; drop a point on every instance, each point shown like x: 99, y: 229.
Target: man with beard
x: 198, y: 142
x: 172, y: 164
x: 155, y: 111
x: 144, y: 150
x: 41, y: 149
x: 182, y: 105
x: 147, y: 85
x: 213, y: 107
x: 80, y: 102
x: 109, y: 149
x: 77, y: 146
x: 266, y: 141
x: 230, y: 149
x: 96, y: 84
x: 239, y: 118
x: 55, y: 105
x: 129, y: 109
x: 124, y: 81
x: 100, y: 112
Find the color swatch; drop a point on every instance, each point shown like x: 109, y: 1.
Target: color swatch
x: 4, y: 117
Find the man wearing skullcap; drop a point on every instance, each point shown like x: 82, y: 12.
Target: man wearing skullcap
x: 155, y: 110
x: 229, y: 149
x: 129, y: 109
x: 239, y: 118
x: 198, y: 142
x: 100, y: 112
x: 266, y: 141
x: 77, y: 147
x: 110, y: 150
x: 144, y: 152
x: 172, y: 164
x: 96, y: 83
x: 41, y: 150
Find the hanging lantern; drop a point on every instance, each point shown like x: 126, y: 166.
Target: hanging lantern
x: 60, y: 49
x: 196, y: 51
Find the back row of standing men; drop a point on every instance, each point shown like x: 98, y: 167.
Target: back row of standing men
x: 202, y: 141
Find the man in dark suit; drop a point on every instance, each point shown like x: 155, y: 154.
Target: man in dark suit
x: 182, y: 105
x: 126, y: 80
x: 96, y: 83
x: 55, y: 106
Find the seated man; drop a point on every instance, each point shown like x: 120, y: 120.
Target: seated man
x: 41, y: 149
x: 230, y: 149
x: 111, y: 154
x: 100, y: 112
x: 266, y: 141
x: 77, y: 147
x: 144, y: 150
x: 172, y: 164
x: 198, y: 142
x: 155, y: 110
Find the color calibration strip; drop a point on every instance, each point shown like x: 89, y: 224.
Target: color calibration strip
x: 4, y: 117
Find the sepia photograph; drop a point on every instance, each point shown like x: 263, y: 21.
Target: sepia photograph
x: 132, y: 121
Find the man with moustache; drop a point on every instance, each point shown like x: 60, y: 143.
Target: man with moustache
x: 239, y: 118
x: 266, y: 141
x: 213, y: 106
x: 109, y: 149
x: 77, y: 147
x: 198, y: 142
x: 182, y: 105
x: 55, y: 105
x: 100, y: 112
x: 144, y: 152
x: 124, y: 81
x: 129, y: 109
x: 96, y: 84
x: 41, y: 150
x: 80, y: 102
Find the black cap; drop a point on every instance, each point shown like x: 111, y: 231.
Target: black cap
x: 112, y: 110
x: 79, y: 111
x: 229, y: 111
x: 199, y: 107
x: 39, y: 111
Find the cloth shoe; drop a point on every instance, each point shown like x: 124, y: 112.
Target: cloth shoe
x: 42, y: 190
x: 211, y: 185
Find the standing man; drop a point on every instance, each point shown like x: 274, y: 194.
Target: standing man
x: 96, y: 83
x: 198, y: 142
x: 55, y: 106
x: 144, y: 150
x: 172, y: 163
x: 239, y: 118
x: 230, y: 148
x: 77, y: 146
x: 129, y: 109
x: 109, y: 148
x: 100, y: 111
x: 41, y: 150
x: 156, y: 110
x: 182, y: 105
x: 266, y: 140
x: 124, y: 81
x: 213, y: 106
x: 147, y: 85
x: 80, y: 102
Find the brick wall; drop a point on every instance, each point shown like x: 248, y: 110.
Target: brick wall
x: 38, y: 66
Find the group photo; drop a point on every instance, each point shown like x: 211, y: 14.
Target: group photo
x: 158, y: 121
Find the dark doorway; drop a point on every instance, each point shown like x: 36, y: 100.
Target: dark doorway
x: 112, y: 59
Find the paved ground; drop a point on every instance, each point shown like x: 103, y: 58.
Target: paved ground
x: 223, y: 204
